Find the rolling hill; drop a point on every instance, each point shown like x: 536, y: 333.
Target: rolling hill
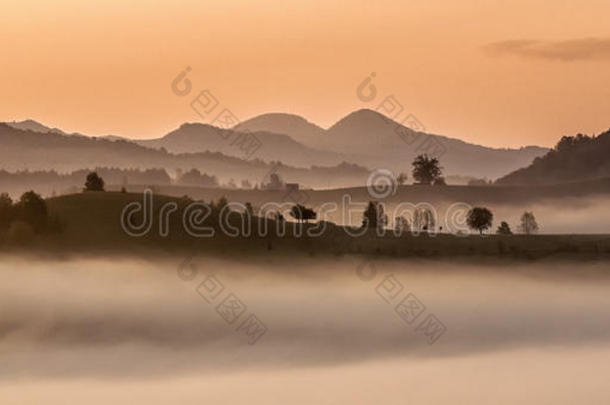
x: 195, y: 137
x: 91, y: 224
x: 364, y: 137
x: 297, y: 127
x: 29, y: 150
x: 574, y: 158
x: 373, y: 140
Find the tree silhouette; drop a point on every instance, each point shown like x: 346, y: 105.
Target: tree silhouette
x: 249, y: 209
x: 6, y: 210
x: 480, y: 219
x: 528, y: 223
x: 32, y: 209
x: 504, y: 229
x: 301, y: 213
x: 426, y: 170
x: 195, y: 178
x: 401, y: 225
x: 94, y: 182
x: 275, y: 182
x: 424, y: 220
x: 401, y: 179
x: 374, y: 216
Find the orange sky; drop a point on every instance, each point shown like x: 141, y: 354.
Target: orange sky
x: 105, y: 67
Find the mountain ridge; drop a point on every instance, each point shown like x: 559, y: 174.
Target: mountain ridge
x: 364, y: 137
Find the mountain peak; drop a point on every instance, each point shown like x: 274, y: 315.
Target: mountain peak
x: 363, y: 119
x: 296, y: 126
x: 276, y: 119
x: 32, y: 125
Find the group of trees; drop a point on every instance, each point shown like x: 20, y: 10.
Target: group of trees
x: 574, y: 158
x: 427, y: 170
x: 195, y: 178
x: 50, y: 182
x: 480, y: 219
x: 23, y: 218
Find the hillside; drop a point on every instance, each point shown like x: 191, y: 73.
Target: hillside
x: 31, y: 125
x: 364, y: 137
x: 28, y: 150
x: 574, y: 158
x: 373, y: 140
x: 91, y: 224
x: 297, y: 127
x: 195, y: 137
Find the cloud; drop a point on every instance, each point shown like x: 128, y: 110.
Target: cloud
x: 564, y: 51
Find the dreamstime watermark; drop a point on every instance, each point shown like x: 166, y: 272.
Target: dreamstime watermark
x: 408, y: 308
x: 235, y: 219
x: 406, y: 125
x: 205, y: 104
x: 226, y: 303
x: 381, y: 184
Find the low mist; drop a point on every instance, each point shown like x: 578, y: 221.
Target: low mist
x: 109, y: 320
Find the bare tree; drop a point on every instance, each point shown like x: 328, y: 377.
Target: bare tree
x: 528, y: 224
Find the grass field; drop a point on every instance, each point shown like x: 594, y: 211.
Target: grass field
x: 91, y: 223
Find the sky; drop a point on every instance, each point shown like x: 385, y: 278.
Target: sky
x: 498, y: 73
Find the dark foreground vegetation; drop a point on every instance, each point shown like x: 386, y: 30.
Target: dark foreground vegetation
x: 90, y: 222
x: 574, y: 158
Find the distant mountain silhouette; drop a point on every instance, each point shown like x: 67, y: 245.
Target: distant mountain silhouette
x: 31, y: 125
x: 29, y: 150
x: 297, y: 127
x: 195, y: 137
x: 364, y: 137
x: 574, y: 158
x: 373, y: 140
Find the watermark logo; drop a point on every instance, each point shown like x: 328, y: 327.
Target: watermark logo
x: 206, y: 105
x: 406, y: 125
x: 381, y: 184
x: 409, y: 308
x: 366, y: 90
x: 226, y: 303
x: 234, y: 219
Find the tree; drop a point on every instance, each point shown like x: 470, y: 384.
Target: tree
x: 480, y: 219
x: 401, y: 179
x: 279, y: 217
x: 94, y: 182
x: 6, y: 210
x: 249, y: 210
x: 426, y: 170
x: 504, y: 229
x: 195, y: 178
x: 275, y: 182
x: 231, y: 184
x: 301, y: 213
x: 424, y: 219
x: 32, y: 209
x: 374, y: 216
x: 401, y: 225
x: 528, y: 223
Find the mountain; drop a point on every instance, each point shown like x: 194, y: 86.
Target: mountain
x: 574, y: 158
x: 373, y: 140
x: 364, y: 137
x: 265, y: 145
x: 31, y: 125
x: 29, y: 150
x: 297, y: 127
